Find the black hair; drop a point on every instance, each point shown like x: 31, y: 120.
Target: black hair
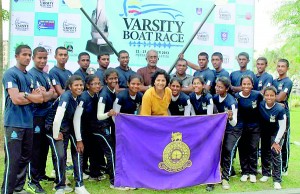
x: 60, y: 48
x: 102, y: 54
x: 285, y: 61
x: 20, y: 47
x: 244, y: 54
x: 122, y: 51
x: 83, y: 54
x: 135, y: 76
x: 176, y: 79
x: 160, y: 72
x: 225, y: 81
x: 247, y: 76
x: 262, y: 59
x: 38, y: 50
x: 272, y: 88
x: 109, y: 71
x: 90, y: 78
x: 201, y: 79
x: 217, y: 54
x: 71, y: 80
x: 203, y: 54
x: 182, y: 60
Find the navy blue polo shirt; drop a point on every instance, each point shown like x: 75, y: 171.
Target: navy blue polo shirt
x: 42, y: 79
x: 89, y: 114
x: 222, y: 73
x: 224, y: 106
x: 248, y: 114
x: 19, y: 116
x: 81, y: 73
x: 262, y: 81
x: 177, y: 107
x: 235, y: 77
x: 107, y: 97
x: 270, y: 117
x: 123, y: 76
x: 59, y: 76
x: 100, y: 74
x: 200, y: 105
x: 207, y: 74
x: 129, y: 105
x: 286, y: 86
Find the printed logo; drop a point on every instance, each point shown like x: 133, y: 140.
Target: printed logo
x: 198, y: 11
x: 69, y: 27
x: 21, y: 25
x: 203, y: 36
x: 260, y: 83
x: 272, y: 118
x: 37, y: 129
x: 204, y: 106
x: 31, y: 83
x: 248, y: 16
x: 180, y: 108
x: 47, y: 47
x: 46, y: 3
x: 224, y: 14
x: 254, y: 104
x: 226, y: 59
x: 243, y: 38
x: 46, y: 24
x: 224, y: 36
x: 14, y: 135
x: 280, y: 86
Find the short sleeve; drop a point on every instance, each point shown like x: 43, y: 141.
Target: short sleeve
x: 64, y: 100
x: 9, y: 80
x: 54, y: 78
x: 287, y: 87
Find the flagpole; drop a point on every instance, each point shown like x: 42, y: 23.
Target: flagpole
x: 99, y: 31
x: 192, y: 38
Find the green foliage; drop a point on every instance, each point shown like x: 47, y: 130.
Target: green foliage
x: 5, y: 15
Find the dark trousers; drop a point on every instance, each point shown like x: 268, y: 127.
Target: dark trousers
x: 270, y: 160
x: 230, y: 143
x: 18, y: 147
x: 103, y: 139
x: 86, y: 139
x: 40, y: 148
x: 286, y: 147
x: 59, y: 152
x: 248, y: 150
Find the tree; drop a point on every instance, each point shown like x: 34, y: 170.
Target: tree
x: 4, y: 14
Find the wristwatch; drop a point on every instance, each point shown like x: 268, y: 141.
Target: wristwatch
x: 25, y: 94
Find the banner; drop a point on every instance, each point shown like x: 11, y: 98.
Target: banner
x: 168, y: 152
x: 136, y: 26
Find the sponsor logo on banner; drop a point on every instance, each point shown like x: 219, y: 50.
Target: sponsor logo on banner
x: 224, y: 14
x: 224, y: 36
x: 23, y: 1
x: 226, y: 59
x: 198, y: 11
x: 21, y: 25
x: 47, y: 47
x: 46, y: 24
x: 243, y: 38
x: 70, y: 46
x: 46, y: 3
x: 69, y: 27
x: 204, y: 36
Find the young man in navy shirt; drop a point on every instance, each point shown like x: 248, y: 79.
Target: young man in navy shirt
x: 103, y: 61
x: 20, y: 93
x: 124, y: 71
x: 235, y: 76
x: 59, y: 74
x: 40, y: 141
x: 284, y: 85
x: 262, y: 78
x: 84, y: 63
x: 217, y: 60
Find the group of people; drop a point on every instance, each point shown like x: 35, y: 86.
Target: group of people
x: 54, y: 109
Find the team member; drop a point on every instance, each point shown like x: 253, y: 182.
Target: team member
x: 186, y: 79
x: 201, y: 99
x: 262, y: 79
x: 124, y: 71
x: 284, y: 85
x: 59, y: 74
x: 61, y: 117
x: 84, y: 63
x: 148, y: 71
x: 157, y: 99
x: 104, y: 131
x: 130, y: 100
x: 235, y: 77
x: 227, y: 103
x: 103, y: 60
x: 40, y: 142
x: 217, y: 60
x: 180, y: 102
x: 203, y: 70
x: 85, y: 120
x: 248, y: 104
x: 273, y: 125
x: 18, y: 120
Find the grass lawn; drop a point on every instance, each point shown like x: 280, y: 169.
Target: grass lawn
x: 290, y: 181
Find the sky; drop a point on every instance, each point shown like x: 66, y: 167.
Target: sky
x: 264, y: 30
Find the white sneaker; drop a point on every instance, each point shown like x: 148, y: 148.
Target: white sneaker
x: 277, y: 186
x: 259, y: 171
x: 244, y: 178
x: 68, y: 189
x: 264, y: 179
x: 81, y: 190
x: 85, y: 176
x: 59, y: 191
x: 252, y: 178
x: 225, y: 184
x: 119, y: 188
x: 284, y: 173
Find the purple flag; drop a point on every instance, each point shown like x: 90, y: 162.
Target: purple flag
x: 168, y: 152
